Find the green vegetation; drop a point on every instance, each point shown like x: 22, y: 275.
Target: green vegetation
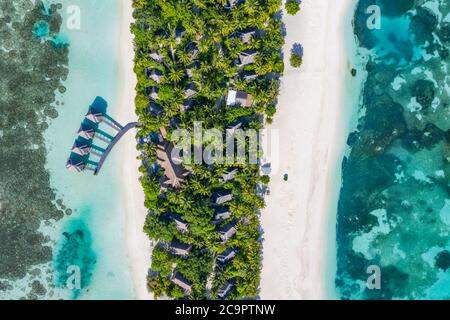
x: 202, y: 36
x: 292, y: 7
x: 296, y: 60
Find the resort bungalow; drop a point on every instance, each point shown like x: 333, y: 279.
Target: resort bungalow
x: 183, y: 283
x: 221, y: 214
x: 75, y: 166
x: 179, y: 34
x: 152, y: 92
x: 248, y: 75
x: 245, y: 35
x: 155, y: 56
x: 232, y: 127
x: 222, y: 196
x: 187, y: 105
x: 228, y: 231
x: 225, y: 290
x: 86, y: 132
x: 174, y: 174
x: 239, y: 98
x: 81, y: 147
x: 190, y: 68
x: 192, y: 50
x: 232, y: 3
x: 190, y: 91
x: 175, y: 123
x: 155, y: 109
x: 94, y: 116
x: 246, y: 57
x: 229, y: 175
x: 161, y: 33
x: 180, y: 249
x: 154, y: 74
x: 182, y: 226
x: 226, y: 255
x: 219, y: 48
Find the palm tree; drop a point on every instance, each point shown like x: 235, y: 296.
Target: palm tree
x: 174, y: 75
x: 184, y: 57
x: 199, y: 187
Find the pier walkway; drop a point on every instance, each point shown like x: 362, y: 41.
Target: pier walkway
x: 113, y: 142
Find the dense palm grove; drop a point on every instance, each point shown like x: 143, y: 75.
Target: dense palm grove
x: 193, y: 44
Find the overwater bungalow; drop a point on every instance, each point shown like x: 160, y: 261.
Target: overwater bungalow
x: 226, y: 255
x: 190, y: 91
x: 154, y: 74
x: 94, y: 116
x: 174, y: 173
x: 229, y: 175
x: 222, y: 196
x: 246, y: 57
x: 222, y: 214
x: 182, y: 226
x: 75, y: 166
x: 180, y: 249
x: 182, y: 282
x: 81, y: 147
x: 86, y: 132
x: 155, y: 56
x: 152, y: 92
x: 239, y: 99
x: 225, y: 290
x: 228, y: 231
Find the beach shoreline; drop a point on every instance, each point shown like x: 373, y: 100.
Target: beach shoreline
x: 138, y: 244
x: 349, y: 96
x: 313, y: 122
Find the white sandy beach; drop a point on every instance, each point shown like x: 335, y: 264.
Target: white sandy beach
x: 312, y: 119
x: 138, y: 244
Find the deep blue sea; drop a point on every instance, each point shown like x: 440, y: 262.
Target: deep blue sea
x: 394, y: 206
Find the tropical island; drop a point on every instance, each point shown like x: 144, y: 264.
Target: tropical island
x: 217, y: 62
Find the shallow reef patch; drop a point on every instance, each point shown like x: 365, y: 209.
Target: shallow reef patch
x: 75, y: 255
x: 32, y: 70
x: 399, y: 162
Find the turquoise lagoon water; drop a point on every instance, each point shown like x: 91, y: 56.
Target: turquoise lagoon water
x: 92, y: 237
x: 394, y: 205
